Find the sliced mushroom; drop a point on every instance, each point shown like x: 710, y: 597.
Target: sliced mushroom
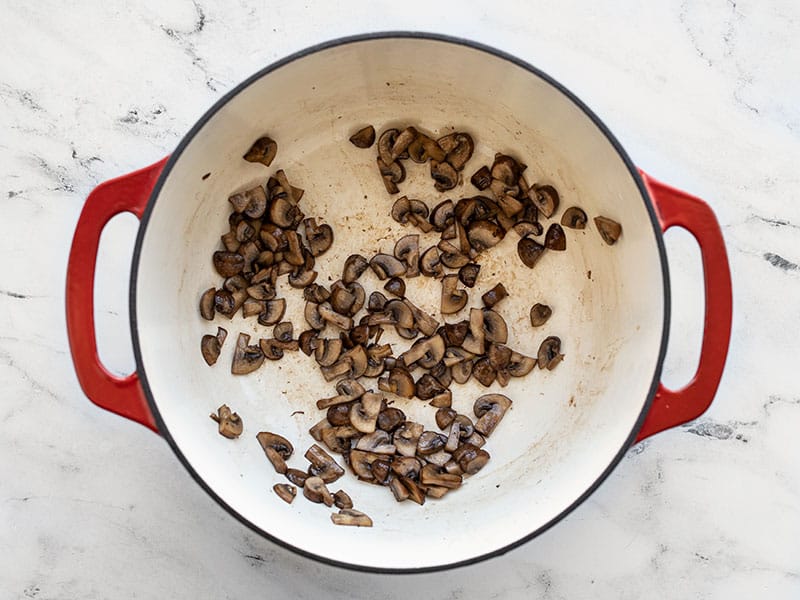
x: 399, y: 490
x: 490, y: 409
x: 526, y: 228
x: 415, y: 492
x: 405, y: 210
x: 354, y: 266
x: 422, y: 320
x: 437, y: 476
x: 307, y: 341
x: 277, y: 448
x: 520, y: 365
x: 402, y: 141
x: 540, y: 313
x: 454, y: 355
x: 445, y: 417
x: 461, y: 372
x: 424, y: 148
x: 396, y: 286
x: 338, y: 439
x: 482, y: 178
x: 509, y: 207
x: 430, y: 263
x: 505, y: 169
x: 385, y: 144
x: 210, y: 345
x: 549, y: 354
x: 453, y: 299
x: 425, y: 352
x: 468, y: 274
x: 313, y: 316
x: 529, y: 251
x: 329, y: 315
x: 207, y: 304
x: 263, y: 150
x: 379, y: 442
x: 319, y: 237
x: 406, y: 466
x: 377, y: 302
x: 229, y: 423
x: 545, y: 197
x: 252, y: 307
x: 246, y: 358
x: 386, y: 265
x: 494, y: 295
x: 342, y: 500
x: 364, y: 137
x: 484, y: 234
x: 285, y: 492
x: 454, y: 333
x: 392, y: 173
x: 261, y: 291
x: 470, y: 458
x: 283, y: 213
x: 407, y: 250
x: 351, y: 517
x: 317, y: 429
x: 555, y: 238
x: 328, y: 351
x: 399, y: 381
x: 494, y: 327
x: 361, y: 463
x: 273, y: 313
x: 342, y: 300
x: 364, y: 413
x: 296, y: 476
x: 390, y: 418
x: 228, y: 263
x: 322, y: 464
x: 338, y: 414
x: 272, y: 348
x: 484, y: 372
x: 499, y: 356
x: 461, y: 151
x: 442, y: 215
x: 316, y: 491
x: 445, y: 176
x: 430, y: 442
x: 406, y: 438
x: 608, y: 229
x: 428, y: 387
x: 574, y: 218
x: 451, y: 256
x: 475, y: 339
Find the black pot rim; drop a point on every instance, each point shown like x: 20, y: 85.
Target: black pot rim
x: 164, y: 430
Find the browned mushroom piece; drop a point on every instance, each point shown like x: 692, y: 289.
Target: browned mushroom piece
x: 377, y: 302
x: 273, y: 313
x: 392, y: 173
x: 406, y: 438
x: 210, y: 345
x: 207, y: 304
x: 351, y: 517
x: 484, y: 372
x: 252, y: 307
x: 361, y: 463
x: 328, y: 351
x: 407, y: 250
x: 476, y: 439
x: 574, y: 218
x: 364, y: 413
x: 329, y: 315
x: 545, y: 197
x: 342, y: 300
x: 437, y: 476
x: 520, y: 365
x: 244, y: 231
x: 322, y: 464
x: 529, y: 251
x: 453, y: 299
x: 319, y: 237
x: 318, y: 428
x: 451, y: 255
x: 454, y: 333
x: 442, y: 215
x: 229, y: 241
x: 505, y: 169
x: 490, y: 410
x: 494, y: 326
x: 484, y: 234
x: 277, y: 448
x: 422, y: 320
x: 307, y: 341
x: 261, y: 291
x: 468, y: 274
x: 445, y: 398
x: 316, y: 491
x: 396, y: 286
x: 499, y: 356
x: 402, y: 141
x: 474, y: 341
x: 549, y: 354
x: 425, y: 352
x: 338, y: 439
x: 228, y: 263
x: 271, y: 348
x: 364, y: 137
x: 296, y: 476
x: 540, y: 313
x: 385, y: 144
x: 399, y: 491
x: 428, y: 387
x: 229, y: 423
x: 608, y: 229
x: 494, y: 295
x: 338, y: 414
x: 341, y: 499
x: 415, y: 492
x: 470, y: 458
x: 445, y: 176
x: 283, y: 213
x: 386, y: 265
x: 445, y: 417
x: 430, y: 442
x: 390, y: 418
x: 293, y: 194
x: 263, y: 151
x: 285, y: 492
x: 379, y: 442
x: 482, y: 178
x: 246, y: 358
x: 555, y: 239
x: 527, y: 228
x: 430, y: 263
x: 313, y: 316
x: 461, y: 151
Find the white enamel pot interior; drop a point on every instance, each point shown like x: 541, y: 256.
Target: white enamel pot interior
x: 567, y: 428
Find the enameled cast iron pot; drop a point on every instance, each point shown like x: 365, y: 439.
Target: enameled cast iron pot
x: 567, y: 429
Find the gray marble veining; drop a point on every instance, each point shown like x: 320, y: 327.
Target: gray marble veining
x: 704, y: 96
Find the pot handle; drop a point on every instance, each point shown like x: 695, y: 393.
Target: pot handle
x: 121, y: 395
x: 671, y: 408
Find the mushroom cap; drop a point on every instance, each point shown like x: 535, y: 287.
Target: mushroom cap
x: 386, y: 265
x: 316, y: 491
x: 364, y: 137
x: 453, y: 299
x: 444, y: 174
x: 430, y: 263
x: 468, y: 274
x: 540, y: 313
x: 608, y: 229
x: 495, y: 327
x: 364, y: 413
x: 407, y: 250
x: 529, y: 251
x: 263, y: 150
x: 574, y: 218
x: 406, y: 437
x: 555, y: 239
x: 351, y: 517
x: 549, y: 354
x: 354, y: 266
x: 545, y: 197
x: 442, y: 215
x: 246, y: 358
x: 482, y: 178
x: 484, y: 234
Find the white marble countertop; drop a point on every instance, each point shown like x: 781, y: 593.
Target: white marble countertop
x: 703, y: 95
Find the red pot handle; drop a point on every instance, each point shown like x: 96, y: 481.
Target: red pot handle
x: 121, y: 395
x: 674, y: 407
